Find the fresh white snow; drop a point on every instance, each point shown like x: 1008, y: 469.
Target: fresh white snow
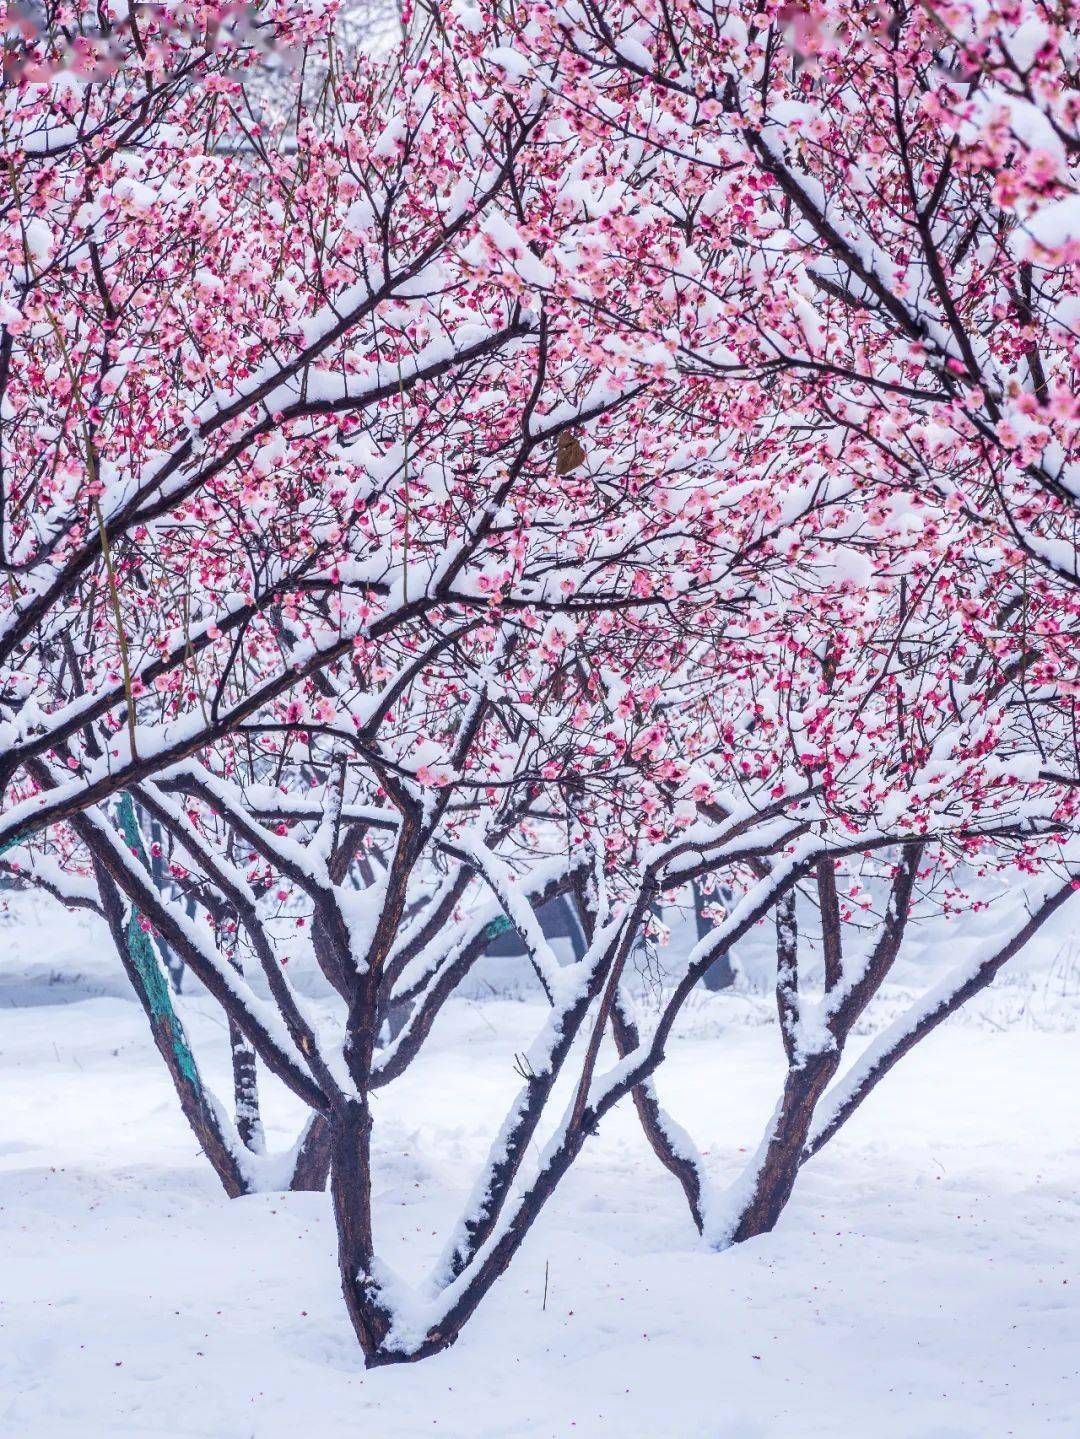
x: 922, y: 1284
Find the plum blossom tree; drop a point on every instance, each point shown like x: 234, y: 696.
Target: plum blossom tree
x: 880, y: 202
x: 826, y: 981
x: 404, y: 510
x: 138, y: 173
x: 1011, y: 729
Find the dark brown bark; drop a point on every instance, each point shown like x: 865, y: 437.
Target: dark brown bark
x: 350, y: 1190
x: 883, y: 955
x: 808, y: 1076
x: 495, y: 1263
x: 312, y: 1165
x: 830, y: 923
x: 370, y: 1318
x: 775, y: 1180
x: 245, y: 911
x: 646, y: 1104
x: 141, y: 892
x: 530, y: 1204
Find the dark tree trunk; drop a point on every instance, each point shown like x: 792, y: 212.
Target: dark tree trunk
x: 806, y: 1082
x: 350, y: 1189
x: 312, y: 1166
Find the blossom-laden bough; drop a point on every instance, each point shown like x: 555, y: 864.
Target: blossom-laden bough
x: 891, y: 193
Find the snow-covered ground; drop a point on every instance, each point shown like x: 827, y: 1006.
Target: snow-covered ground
x: 922, y: 1285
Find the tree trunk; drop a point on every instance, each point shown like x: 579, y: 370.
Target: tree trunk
x: 246, y: 1091
x: 312, y: 1164
x: 783, y: 1149
x: 350, y: 1189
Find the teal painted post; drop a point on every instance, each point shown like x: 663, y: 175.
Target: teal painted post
x: 499, y: 925
x: 150, y: 969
